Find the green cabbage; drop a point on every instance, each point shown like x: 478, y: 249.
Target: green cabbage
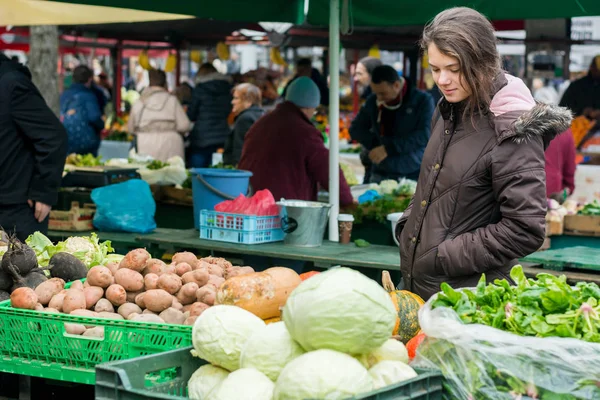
x: 204, y: 380
x: 220, y: 334
x: 342, y: 310
x: 270, y: 349
x: 392, y: 350
x: 86, y: 248
x: 322, y: 374
x: 387, y: 372
x: 244, y: 384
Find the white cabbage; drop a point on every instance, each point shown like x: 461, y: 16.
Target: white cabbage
x: 244, y: 384
x: 204, y: 380
x: 386, y: 373
x: 391, y: 350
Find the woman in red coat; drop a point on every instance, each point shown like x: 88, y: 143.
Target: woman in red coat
x: 560, y: 165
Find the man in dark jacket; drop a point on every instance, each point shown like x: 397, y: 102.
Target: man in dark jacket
x: 286, y: 153
x: 394, y: 125
x: 209, y: 110
x: 34, y: 148
x: 583, y: 96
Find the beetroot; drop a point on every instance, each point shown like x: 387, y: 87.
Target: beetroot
x: 18, y: 260
x: 67, y: 267
x: 31, y: 280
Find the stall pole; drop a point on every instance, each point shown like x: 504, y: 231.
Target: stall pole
x: 334, y: 118
x: 178, y: 66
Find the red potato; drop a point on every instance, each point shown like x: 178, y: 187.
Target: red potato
x: 170, y: 283
x: 217, y: 281
x: 139, y: 300
x: 112, y: 266
x: 185, y: 257
x: 46, y: 290
x: 77, y: 285
x: 246, y: 270
x: 74, y: 329
x: 131, y: 280
x: 109, y: 315
x: 198, y: 308
x: 100, y: 276
x: 74, y: 300
x: 103, y: 305
x: 147, y: 318
x: 190, y: 321
x: 155, y: 266
x: 151, y: 281
x: 199, y: 276
x: 129, y: 308
x: 187, y: 293
x: 182, y: 268
x: 51, y: 310
x: 207, y: 295
x: 135, y: 260
x: 170, y: 269
x: 186, y: 309
x: 84, y: 313
x: 132, y: 295
x: 97, y: 331
x: 215, y: 270
x: 116, y: 294
x: 172, y: 316
x: 157, y: 300
x: 57, y: 301
x: 146, y: 311
x: 92, y: 295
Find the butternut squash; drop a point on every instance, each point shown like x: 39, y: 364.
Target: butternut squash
x: 261, y: 293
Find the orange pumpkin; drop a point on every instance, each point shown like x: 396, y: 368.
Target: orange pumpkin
x: 272, y: 320
x: 413, y: 344
x: 407, y: 306
x: 261, y: 293
x: 308, y: 274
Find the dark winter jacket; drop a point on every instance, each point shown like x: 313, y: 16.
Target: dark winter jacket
x: 33, y: 141
x: 581, y: 94
x: 235, y: 141
x: 404, y: 146
x: 80, y: 98
x: 209, y: 110
x: 286, y: 154
x: 481, y: 196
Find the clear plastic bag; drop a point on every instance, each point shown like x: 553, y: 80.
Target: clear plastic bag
x: 173, y: 174
x: 481, y: 362
x: 125, y: 207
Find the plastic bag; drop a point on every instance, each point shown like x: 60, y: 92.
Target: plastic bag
x: 481, y: 362
x: 173, y: 174
x: 125, y: 207
x: 262, y: 203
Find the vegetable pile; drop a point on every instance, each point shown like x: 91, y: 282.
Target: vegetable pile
x: 592, y: 208
x: 334, y: 340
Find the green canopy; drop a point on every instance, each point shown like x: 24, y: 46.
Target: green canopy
x: 225, y: 10
x: 412, y: 12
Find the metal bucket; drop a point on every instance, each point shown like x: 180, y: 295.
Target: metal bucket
x: 303, y: 222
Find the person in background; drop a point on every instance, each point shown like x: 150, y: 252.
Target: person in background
x: 583, y: 96
x: 362, y: 76
x: 560, y: 166
x: 81, y: 114
x: 209, y: 108
x: 480, y: 203
x: 304, y: 68
x: 34, y: 148
x: 158, y: 120
x: 544, y: 92
x: 183, y: 92
x: 247, y: 102
x: 286, y: 153
x: 393, y: 125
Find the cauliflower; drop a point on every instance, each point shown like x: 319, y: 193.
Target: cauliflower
x: 388, y: 186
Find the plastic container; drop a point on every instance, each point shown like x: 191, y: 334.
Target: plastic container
x: 239, y: 228
x: 165, y: 376
x: 210, y: 186
x: 303, y: 222
x: 36, y: 344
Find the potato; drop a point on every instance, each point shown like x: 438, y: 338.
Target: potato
x: 217, y: 281
x: 182, y: 268
x: 51, y: 310
x: 185, y: 257
x: 221, y: 262
x: 172, y: 316
x: 74, y: 300
x: 132, y: 316
x: 113, y: 267
x: 109, y: 315
x: 206, y: 295
x: 39, y: 307
x: 139, y: 300
x: 157, y: 300
x: 97, y: 332
x: 76, y: 285
x: 74, y: 329
x: 135, y: 260
x: 128, y: 308
x: 100, y: 276
x: 176, y: 304
x: 199, y: 276
x: 187, y: 293
x: 216, y: 270
x: 84, y: 313
x: 190, y: 320
x: 131, y: 281
x: 146, y: 311
x: 186, y: 309
x: 132, y: 295
x: 147, y: 318
x: 104, y: 305
x: 170, y: 283
x: 170, y: 269
x: 155, y: 266
x: 46, y: 290
x: 151, y: 281
x: 24, y: 297
x: 86, y: 284
x: 198, y: 308
x: 235, y: 271
x: 57, y: 301
x: 116, y: 294
x: 92, y: 295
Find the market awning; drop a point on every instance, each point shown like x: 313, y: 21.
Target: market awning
x: 41, y: 12
x: 225, y: 10
x: 410, y: 12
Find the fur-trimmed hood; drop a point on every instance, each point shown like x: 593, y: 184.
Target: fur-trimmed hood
x: 516, y: 114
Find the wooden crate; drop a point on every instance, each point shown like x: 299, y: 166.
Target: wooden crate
x: 586, y: 225
x: 554, y: 228
x: 174, y: 195
x: 77, y: 219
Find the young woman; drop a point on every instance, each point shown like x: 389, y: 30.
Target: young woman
x: 481, y: 200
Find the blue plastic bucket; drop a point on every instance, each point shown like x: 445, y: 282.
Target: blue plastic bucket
x: 210, y: 186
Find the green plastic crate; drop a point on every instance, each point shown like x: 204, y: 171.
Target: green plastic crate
x: 36, y: 344
x: 165, y: 376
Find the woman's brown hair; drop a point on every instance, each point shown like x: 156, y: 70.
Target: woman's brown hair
x: 468, y: 36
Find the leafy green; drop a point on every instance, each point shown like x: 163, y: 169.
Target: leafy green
x: 156, y: 164
x: 361, y: 243
x: 377, y: 210
x: 87, y: 160
x: 592, y: 208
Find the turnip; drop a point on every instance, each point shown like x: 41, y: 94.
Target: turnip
x: 32, y: 280
x: 67, y: 267
x: 18, y: 260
